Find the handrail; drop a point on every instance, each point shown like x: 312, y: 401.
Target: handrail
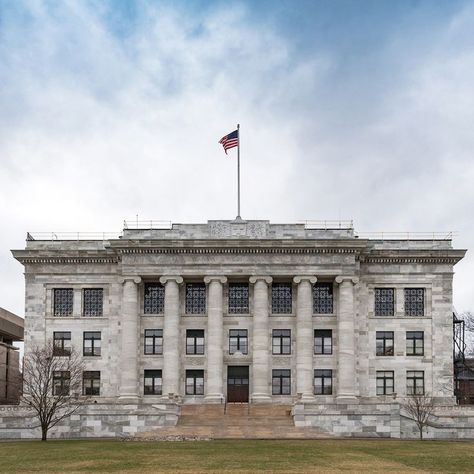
x: 382, y: 235
x: 31, y: 236
x: 328, y: 224
x: 147, y: 224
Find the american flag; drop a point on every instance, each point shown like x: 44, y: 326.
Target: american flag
x: 230, y: 141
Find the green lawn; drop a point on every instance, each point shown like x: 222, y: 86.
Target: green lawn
x: 237, y: 456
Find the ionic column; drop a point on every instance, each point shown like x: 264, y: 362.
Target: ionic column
x: 346, y: 339
x: 128, y: 390
x: 304, y: 336
x: 171, y: 360
x: 215, y: 334
x: 261, y: 339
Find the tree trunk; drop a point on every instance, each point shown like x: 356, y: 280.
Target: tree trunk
x: 421, y: 433
x: 44, y: 433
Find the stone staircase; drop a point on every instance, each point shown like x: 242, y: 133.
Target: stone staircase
x: 233, y: 421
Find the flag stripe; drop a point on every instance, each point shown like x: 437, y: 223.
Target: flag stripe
x: 230, y: 141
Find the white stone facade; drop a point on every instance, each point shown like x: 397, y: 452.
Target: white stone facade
x: 261, y: 255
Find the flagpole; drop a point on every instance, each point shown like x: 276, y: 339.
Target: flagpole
x: 238, y: 172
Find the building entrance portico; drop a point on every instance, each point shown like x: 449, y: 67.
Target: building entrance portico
x: 238, y: 384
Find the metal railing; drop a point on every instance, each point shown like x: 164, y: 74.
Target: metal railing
x: 328, y: 224
x: 146, y: 224
x: 448, y: 235
x: 72, y: 235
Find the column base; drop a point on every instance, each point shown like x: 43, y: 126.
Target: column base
x: 129, y: 399
x: 214, y: 398
x: 260, y: 398
x: 347, y: 398
x: 306, y: 397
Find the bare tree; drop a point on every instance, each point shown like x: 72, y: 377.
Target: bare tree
x: 52, y: 379
x: 468, y: 317
x: 419, y: 408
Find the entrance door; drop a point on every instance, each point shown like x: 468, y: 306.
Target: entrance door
x: 238, y: 383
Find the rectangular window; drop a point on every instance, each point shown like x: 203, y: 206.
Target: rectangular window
x: 322, y: 298
x: 384, y: 302
x: 238, y: 298
x: 61, y: 382
x: 282, y: 298
x: 415, y: 343
x: 195, y: 341
x: 384, y: 343
x: 92, y: 343
x: 93, y: 302
x: 385, y: 382
x: 238, y: 341
x: 61, y: 343
x: 63, y: 301
x: 153, y: 382
x: 154, y: 298
x: 281, y: 382
x: 195, y: 298
x: 323, y: 382
x: 281, y: 341
x: 414, y: 301
x: 415, y: 382
x: 153, y: 341
x: 194, y: 382
x: 91, y: 382
x: 323, y: 341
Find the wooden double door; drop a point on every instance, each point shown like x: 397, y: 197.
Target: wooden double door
x: 238, y: 383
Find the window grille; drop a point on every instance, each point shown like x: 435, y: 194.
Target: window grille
x: 195, y: 298
x: 414, y: 301
x: 153, y: 382
x: 384, y: 302
x: 323, y: 341
x: 238, y: 341
x: 415, y: 343
x: 61, y: 382
x: 154, y: 298
x: 91, y: 383
x: 63, y: 301
x: 238, y: 298
x: 93, y: 301
x: 323, y: 382
x: 92, y: 343
x: 195, y: 341
x: 153, y: 341
x: 415, y: 382
x: 281, y: 382
x: 194, y: 382
x: 282, y: 298
x: 62, y: 343
x: 385, y: 382
x: 384, y: 343
x: 281, y: 341
x: 323, y: 298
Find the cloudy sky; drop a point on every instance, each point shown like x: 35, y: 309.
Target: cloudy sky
x: 357, y: 110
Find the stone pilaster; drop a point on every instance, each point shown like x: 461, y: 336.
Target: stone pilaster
x: 346, y: 391
x: 171, y: 359
x: 304, y: 336
x: 261, y: 340
x: 215, y: 335
x: 128, y: 390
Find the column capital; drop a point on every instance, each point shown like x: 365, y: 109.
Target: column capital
x: 132, y: 278
x: 220, y: 278
x: 254, y: 278
x: 352, y: 279
x: 166, y: 278
x: 311, y: 278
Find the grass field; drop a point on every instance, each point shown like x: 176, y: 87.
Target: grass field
x: 237, y: 456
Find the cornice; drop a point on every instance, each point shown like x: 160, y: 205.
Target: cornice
x: 75, y: 260
x: 408, y: 260
x: 236, y: 250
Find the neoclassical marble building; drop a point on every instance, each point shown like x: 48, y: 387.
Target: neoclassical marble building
x: 311, y: 316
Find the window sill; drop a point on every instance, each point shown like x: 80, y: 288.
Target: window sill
x: 322, y: 315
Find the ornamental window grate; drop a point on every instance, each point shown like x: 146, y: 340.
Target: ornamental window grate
x: 154, y: 298
x: 384, y: 301
x: 282, y: 301
x: 238, y: 298
x: 93, y: 301
x: 322, y: 298
x: 414, y: 301
x: 63, y: 301
x: 195, y: 298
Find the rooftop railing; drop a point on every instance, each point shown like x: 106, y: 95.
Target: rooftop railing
x: 336, y: 224
x: 382, y: 235
x: 146, y: 224
x: 72, y: 235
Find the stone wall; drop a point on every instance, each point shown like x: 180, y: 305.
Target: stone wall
x: 104, y: 420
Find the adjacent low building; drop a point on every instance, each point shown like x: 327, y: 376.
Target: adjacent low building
x: 11, y: 330
x: 337, y: 326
